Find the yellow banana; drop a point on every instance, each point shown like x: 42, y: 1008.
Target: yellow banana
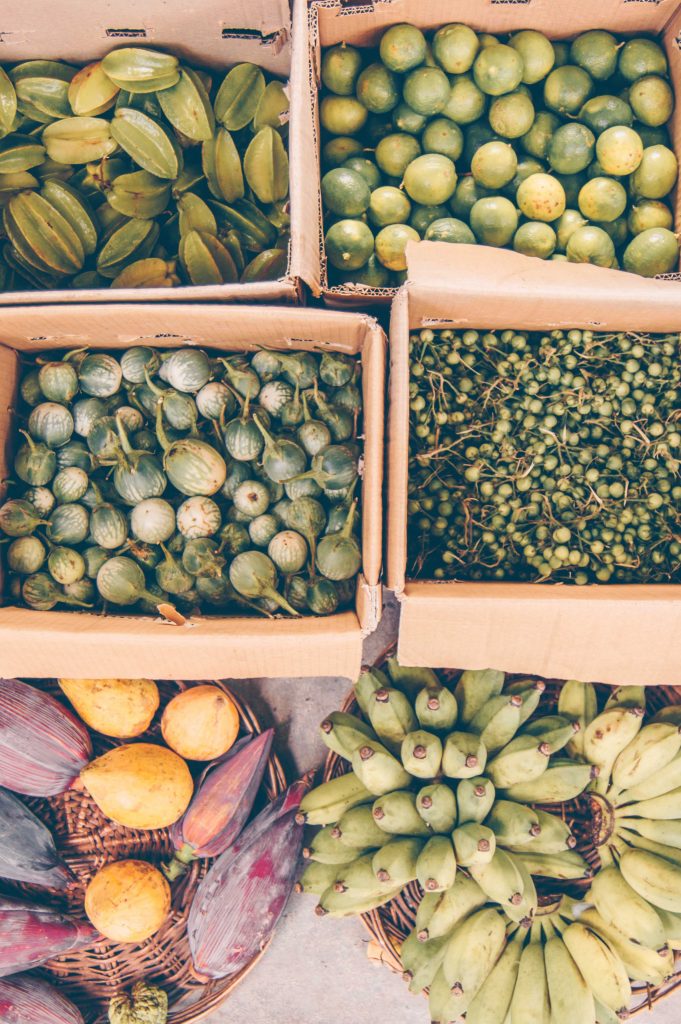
x: 568, y: 865
x: 654, y: 786
x: 647, y: 755
x: 621, y: 906
x: 470, y: 954
x: 641, y: 963
x: 513, y: 823
x: 601, y: 968
x: 627, y: 697
x: 570, y: 997
x: 530, y: 1002
x: 326, y: 803
x: 654, y: 878
x: 607, y: 736
x: 640, y: 842
x: 665, y: 831
x: 667, y: 806
x: 492, y: 1002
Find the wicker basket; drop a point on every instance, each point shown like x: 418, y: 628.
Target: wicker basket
x: 87, y: 840
x: 390, y: 924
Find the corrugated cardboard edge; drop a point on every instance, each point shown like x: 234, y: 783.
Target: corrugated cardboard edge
x: 611, y: 634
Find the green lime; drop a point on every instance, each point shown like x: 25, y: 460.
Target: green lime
x: 378, y: 126
x: 536, y: 140
x: 377, y: 89
x: 426, y: 90
x: 537, y: 54
x: 590, y: 244
x: 498, y: 69
x: 654, y: 251
x: 652, y: 136
x: 652, y: 100
x: 526, y: 166
x: 566, y: 225
x: 534, y: 238
x: 494, y: 220
x: 571, y: 148
x: 430, y: 179
x: 349, y: 244
x: 567, y: 89
x: 391, y: 243
x: 345, y: 192
x: 494, y: 164
x: 342, y: 115
x: 443, y: 136
x: 571, y: 183
x: 466, y: 196
x: 649, y: 213
x: 336, y: 151
x: 422, y: 216
x: 511, y: 115
x: 466, y: 103
x: 602, y: 199
x: 373, y: 274
x: 596, y: 52
x: 341, y: 66
x: 617, y: 229
x: 641, y: 57
x: 656, y: 175
x: 594, y: 170
x: 619, y: 150
x: 402, y: 48
x: 476, y: 136
x: 407, y: 120
x: 541, y: 197
x: 388, y: 205
x: 561, y: 52
x: 455, y: 47
x: 367, y: 168
x: 486, y: 39
x: 395, y: 152
x: 449, y: 229
x: 602, y: 112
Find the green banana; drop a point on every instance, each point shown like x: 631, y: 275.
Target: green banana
x: 474, y: 798
x: 578, y: 701
x: 371, y: 679
x: 554, y: 835
x: 672, y: 928
x: 437, y: 806
x: 668, y: 713
x: 396, y: 814
x: 343, y: 733
x: 421, y: 754
x: 239, y: 96
x: 500, y: 878
x: 8, y: 104
x: 436, y: 865
x: 187, y: 106
x: 348, y: 903
x: 655, y: 879
x: 654, y: 786
x: 473, y: 844
x: 357, y: 876
x: 358, y: 829
x: 147, y: 273
x: 91, y: 92
x: 473, y: 949
x: 567, y: 865
x: 513, y: 823
x: 600, y: 966
x: 395, y: 863
x: 498, y: 721
x: 474, y: 689
x: 666, y: 806
x: 436, y: 708
x: 326, y: 803
x: 78, y: 140
x: 622, y: 907
x: 492, y: 1001
x: 391, y: 716
x: 421, y: 960
x: 439, y: 996
x: 139, y: 70
x: 464, y: 755
x: 411, y: 679
x: 205, y: 259
x: 627, y: 697
x: 562, y: 781
x: 376, y: 767
x: 556, y: 730
x: 647, y: 755
x: 569, y: 995
x: 641, y: 964
x: 316, y: 878
x: 522, y: 760
x: 132, y: 241
x: 327, y: 849
x: 20, y: 153
x: 438, y: 913
x: 531, y: 695
x: 222, y: 168
x: 523, y: 913
x: 74, y: 209
x: 530, y: 1002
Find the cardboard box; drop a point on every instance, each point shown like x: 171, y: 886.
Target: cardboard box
x: 68, y: 643
x: 334, y: 21
x: 213, y: 34
x: 607, y: 633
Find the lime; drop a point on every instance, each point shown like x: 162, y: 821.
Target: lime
x: 422, y: 216
x: 656, y: 175
x: 541, y: 197
x: 367, y: 168
x: 619, y: 150
x: 426, y: 90
x: 494, y: 220
x: 336, y: 151
x: 594, y: 170
x: 590, y: 244
x: 602, y: 199
x: 571, y: 148
x: 526, y: 166
x: 443, y: 136
x: 537, y: 54
x: 342, y: 115
x: 349, y: 244
x: 494, y: 164
x: 654, y: 251
x: 378, y: 126
x: 466, y: 103
x: 617, y: 229
x: 388, y: 205
x: 601, y: 112
x: 476, y: 136
x: 486, y: 39
x: 511, y: 115
x: 341, y: 66
x: 652, y: 100
x: 377, y: 89
x: 373, y: 274
x: 466, y: 196
x: 498, y: 69
x: 402, y: 48
x: 649, y: 213
x: 449, y: 229
x: 536, y: 140
x: 567, y: 88
x: 430, y: 179
x: 535, y: 238
x: 455, y: 48
x: 571, y: 183
x: 566, y: 225
x: 345, y: 192
x: 391, y: 243
x: 407, y: 120
x: 561, y: 53
x: 395, y: 152
x: 641, y: 57
x: 652, y: 136
x: 596, y: 52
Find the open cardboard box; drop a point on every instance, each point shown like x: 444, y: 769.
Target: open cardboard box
x: 212, y: 34
x: 334, y: 21
x: 604, y: 633
x: 85, y: 644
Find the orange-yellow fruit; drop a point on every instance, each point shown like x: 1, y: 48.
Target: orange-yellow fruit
x: 115, y: 707
x: 128, y: 901
x: 201, y: 723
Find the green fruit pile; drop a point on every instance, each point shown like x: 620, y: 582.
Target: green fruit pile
x: 150, y: 478
x: 137, y: 171
x: 544, y: 456
x: 558, y: 150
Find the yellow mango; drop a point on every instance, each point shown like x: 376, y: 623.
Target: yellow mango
x: 201, y: 723
x: 115, y: 707
x: 128, y: 900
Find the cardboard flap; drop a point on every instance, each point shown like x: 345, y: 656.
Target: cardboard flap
x: 479, y: 286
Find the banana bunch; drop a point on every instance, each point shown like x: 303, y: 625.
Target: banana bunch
x: 137, y: 171
x: 438, y: 793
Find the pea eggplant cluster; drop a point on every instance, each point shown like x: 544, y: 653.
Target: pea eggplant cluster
x: 212, y: 484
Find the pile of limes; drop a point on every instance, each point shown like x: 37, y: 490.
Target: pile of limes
x: 558, y: 150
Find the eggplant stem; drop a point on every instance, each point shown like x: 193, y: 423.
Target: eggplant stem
x: 274, y: 595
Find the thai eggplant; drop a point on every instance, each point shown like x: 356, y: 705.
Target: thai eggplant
x: 27, y: 850
x: 30, y: 935
x: 26, y: 999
